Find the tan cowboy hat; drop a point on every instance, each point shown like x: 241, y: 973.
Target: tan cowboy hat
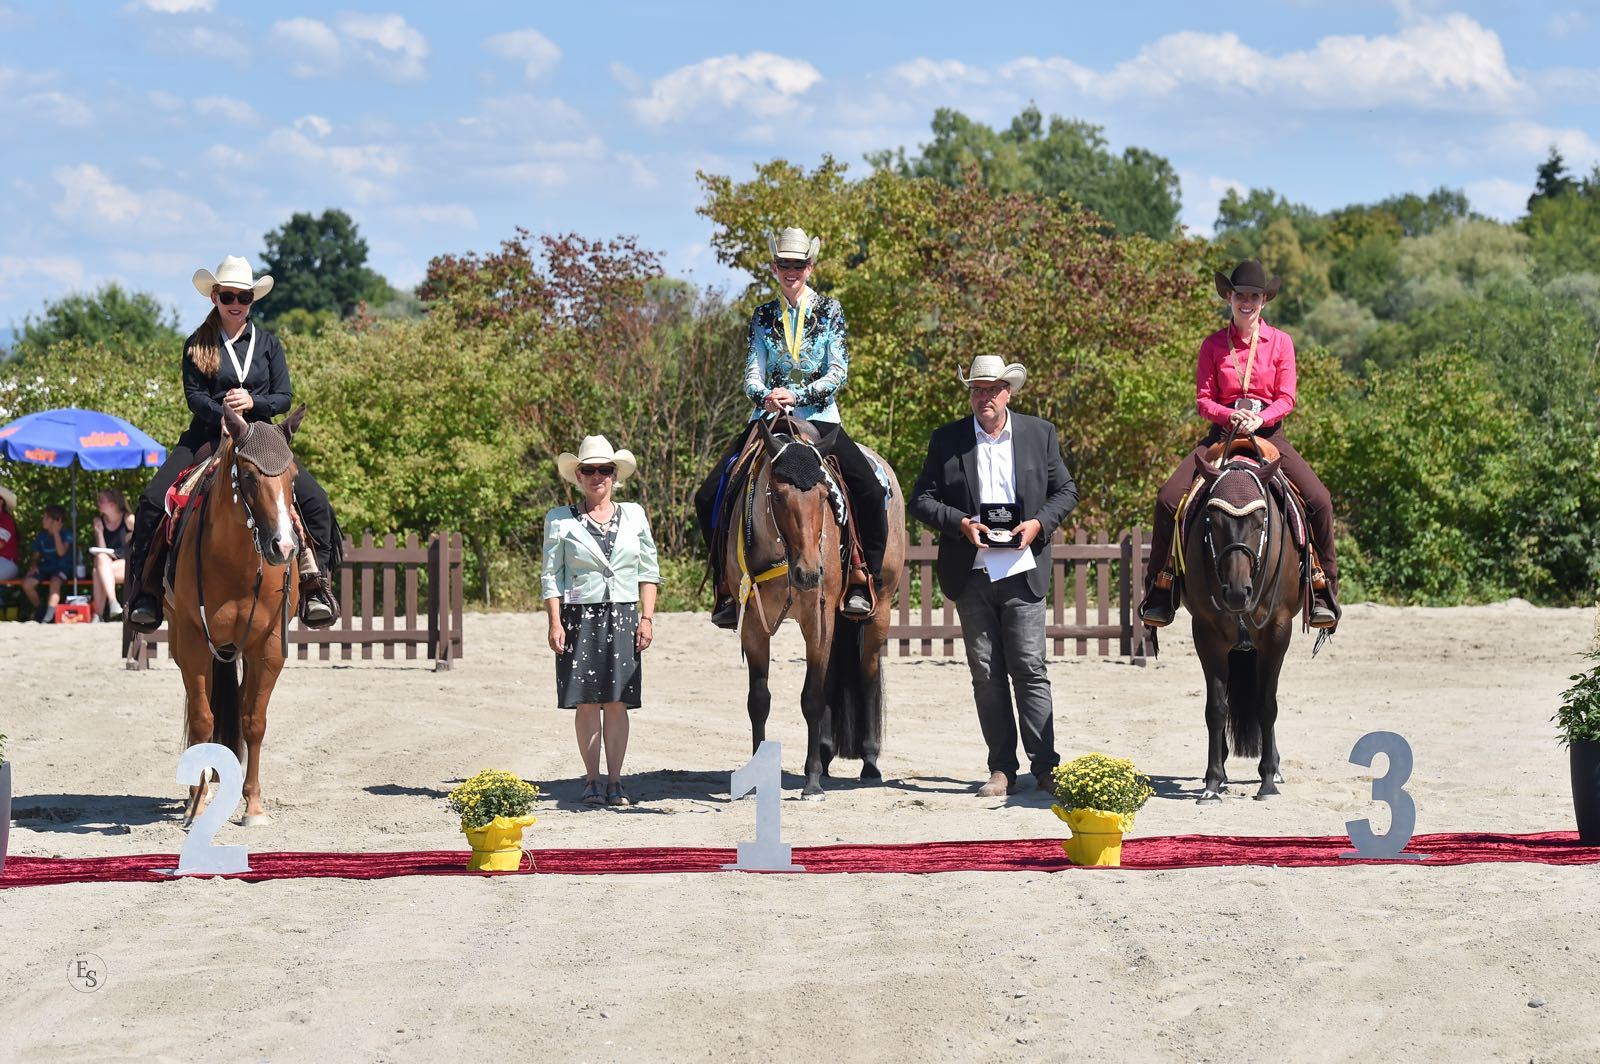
x: 233, y: 273
x: 1248, y: 276
x: 793, y: 243
x: 595, y: 450
x: 10, y: 497
x: 986, y: 368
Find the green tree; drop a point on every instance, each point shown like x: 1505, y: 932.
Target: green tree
x: 1137, y: 192
x: 1552, y: 181
x: 1564, y: 228
x: 318, y: 264
x: 1242, y: 221
x: 110, y: 316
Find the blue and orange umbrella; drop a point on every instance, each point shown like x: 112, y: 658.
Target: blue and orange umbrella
x: 74, y: 437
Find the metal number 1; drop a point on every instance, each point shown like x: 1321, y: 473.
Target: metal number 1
x: 763, y: 774
x: 1390, y: 789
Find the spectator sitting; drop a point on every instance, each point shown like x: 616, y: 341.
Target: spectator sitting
x: 112, y: 543
x: 10, y: 546
x: 51, y: 562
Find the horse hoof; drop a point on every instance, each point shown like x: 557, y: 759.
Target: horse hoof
x: 812, y: 796
x: 1267, y: 796
x: 1209, y: 798
x: 869, y: 772
x: 1277, y: 777
x: 260, y: 820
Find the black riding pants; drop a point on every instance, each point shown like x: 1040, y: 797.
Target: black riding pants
x: 860, y: 481
x: 308, y: 493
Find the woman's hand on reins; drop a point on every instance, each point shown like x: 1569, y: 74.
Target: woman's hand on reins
x: 238, y: 400
x: 1247, y: 422
x: 777, y: 399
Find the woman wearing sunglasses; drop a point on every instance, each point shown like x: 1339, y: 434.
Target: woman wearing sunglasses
x: 230, y: 362
x: 599, y: 583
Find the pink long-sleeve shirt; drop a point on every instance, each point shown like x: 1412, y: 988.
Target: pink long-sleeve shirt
x: 1219, y: 375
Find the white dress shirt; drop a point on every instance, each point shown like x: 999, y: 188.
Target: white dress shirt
x: 997, y: 474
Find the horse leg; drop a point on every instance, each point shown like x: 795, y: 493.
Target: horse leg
x: 872, y: 641
x: 757, y: 659
x: 1271, y: 664
x: 814, y: 703
x: 259, y: 680
x: 1215, y: 665
x: 198, y: 724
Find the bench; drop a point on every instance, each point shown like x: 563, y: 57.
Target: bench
x: 13, y: 603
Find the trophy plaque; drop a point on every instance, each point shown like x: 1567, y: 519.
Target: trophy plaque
x: 1002, y: 519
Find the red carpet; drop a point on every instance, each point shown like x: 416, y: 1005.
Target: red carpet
x: 1021, y: 855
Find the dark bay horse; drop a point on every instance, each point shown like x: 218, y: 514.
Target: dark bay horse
x: 1243, y: 587
x: 794, y: 569
x: 234, y: 587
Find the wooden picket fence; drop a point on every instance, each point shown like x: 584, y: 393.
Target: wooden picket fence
x: 1103, y: 578
x: 379, y: 588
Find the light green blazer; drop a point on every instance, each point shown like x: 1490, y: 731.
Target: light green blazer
x: 577, y: 570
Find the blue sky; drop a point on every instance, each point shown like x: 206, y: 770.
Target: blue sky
x: 149, y: 137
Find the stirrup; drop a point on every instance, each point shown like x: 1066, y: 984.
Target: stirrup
x: 1324, y: 610
x: 726, y: 613
x: 317, y: 608
x: 144, y: 615
x: 1158, y: 608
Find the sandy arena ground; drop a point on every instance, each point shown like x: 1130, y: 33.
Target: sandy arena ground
x: 1227, y: 964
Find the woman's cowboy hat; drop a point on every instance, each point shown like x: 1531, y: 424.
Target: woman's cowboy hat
x: 1248, y: 276
x: 595, y: 450
x: 986, y: 368
x: 793, y: 243
x: 10, y: 497
x: 233, y: 273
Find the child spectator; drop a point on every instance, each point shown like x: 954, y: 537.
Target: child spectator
x: 52, y: 562
x: 10, y: 547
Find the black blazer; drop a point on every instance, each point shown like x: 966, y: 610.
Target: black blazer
x: 947, y: 490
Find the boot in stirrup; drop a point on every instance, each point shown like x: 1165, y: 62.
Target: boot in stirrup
x: 858, y: 598
x: 1159, y: 605
x: 1324, y: 608
x: 317, y: 608
x: 144, y: 611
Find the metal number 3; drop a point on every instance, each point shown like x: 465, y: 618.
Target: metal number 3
x: 1390, y: 789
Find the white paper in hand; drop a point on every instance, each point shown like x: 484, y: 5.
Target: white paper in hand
x: 1002, y: 562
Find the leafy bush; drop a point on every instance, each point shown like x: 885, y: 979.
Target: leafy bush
x: 489, y: 794
x: 1108, y: 784
x: 1578, y: 719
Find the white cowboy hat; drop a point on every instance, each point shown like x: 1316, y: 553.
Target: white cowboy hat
x: 986, y: 368
x: 10, y: 497
x: 233, y: 273
x: 793, y: 243
x: 595, y: 450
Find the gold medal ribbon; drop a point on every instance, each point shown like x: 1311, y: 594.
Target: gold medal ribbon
x: 794, y: 335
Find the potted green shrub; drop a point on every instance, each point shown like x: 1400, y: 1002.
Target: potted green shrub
x: 1578, y: 725
x: 5, y: 803
x: 1098, y: 797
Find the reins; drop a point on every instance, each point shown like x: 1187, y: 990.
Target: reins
x: 254, y: 527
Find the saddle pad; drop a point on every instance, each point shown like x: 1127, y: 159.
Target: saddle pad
x: 186, y: 489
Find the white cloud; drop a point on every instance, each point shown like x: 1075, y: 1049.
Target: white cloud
x: 90, y: 196
x: 177, y: 7
x: 313, y: 45
x: 64, y: 271
x: 164, y: 101
x: 1201, y: 194
x: 1530, y: 140
x: 451, y: 214
x: 315, y: 124
x: 368, y: 170
x: 388, y: 43
x: 1499, y: 198
x: 762, y: 84
x: 537, y: 53
x: 227, y: 107
x: 631, y: 83
x: 58, y: 107
x: 928, y: 73
x: 1566, y: 24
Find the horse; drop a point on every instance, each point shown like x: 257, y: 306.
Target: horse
x: 1244, y: 587
x: 793, y: 567
x: 234, y: 586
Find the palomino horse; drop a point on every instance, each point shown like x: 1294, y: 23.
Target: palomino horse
x: 793, y: 568
x: 233, y: 590
x: 1243, y: 586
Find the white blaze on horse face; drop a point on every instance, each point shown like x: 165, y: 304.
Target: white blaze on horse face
x: 283, y: 532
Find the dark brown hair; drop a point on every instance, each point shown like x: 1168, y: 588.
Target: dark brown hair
x: 204, y: 346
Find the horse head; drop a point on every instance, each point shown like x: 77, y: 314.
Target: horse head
x: 799, y: 493
x: 1237, y: 520
x: 261, y: 471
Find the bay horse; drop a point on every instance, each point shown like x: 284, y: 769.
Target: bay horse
x: 793, y: 567
x: 1243, y: 585
x: 234, y: 586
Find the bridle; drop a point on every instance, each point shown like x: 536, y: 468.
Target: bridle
x: 787, y: 565
x: 1256, y: 556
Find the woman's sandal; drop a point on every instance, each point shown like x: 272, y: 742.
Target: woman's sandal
x: 591, y: 793
x: 615, y: 795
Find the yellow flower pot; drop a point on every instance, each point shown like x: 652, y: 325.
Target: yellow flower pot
x: 497, y: 846
x: 1096, y: 836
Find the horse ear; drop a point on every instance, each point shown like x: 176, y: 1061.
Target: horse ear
x: 291, y: 424
x: 233, y: 424
x: 1208, y: 472
x: 766, y: 436
x: 1269, y: 472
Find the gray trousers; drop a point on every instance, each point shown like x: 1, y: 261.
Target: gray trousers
x: 1002, y: 625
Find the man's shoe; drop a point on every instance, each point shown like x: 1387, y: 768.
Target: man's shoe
x: 997, y: 786
x: 726, y: 613
x: 1158, y: 607
x: 145, y: 613
x: 857, y: 602
x: 1044, y: 782
x: 316, y: 604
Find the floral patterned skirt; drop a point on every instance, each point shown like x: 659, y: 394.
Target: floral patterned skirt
x: 601, y: 664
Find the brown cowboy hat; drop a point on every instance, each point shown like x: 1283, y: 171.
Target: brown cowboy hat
x: 1248, y: 276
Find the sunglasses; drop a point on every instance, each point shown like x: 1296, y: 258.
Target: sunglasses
x: 227, y: 297
x: 597, y: 470
x: 783, y: 264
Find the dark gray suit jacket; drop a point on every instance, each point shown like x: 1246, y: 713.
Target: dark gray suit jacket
x: 947, y: 490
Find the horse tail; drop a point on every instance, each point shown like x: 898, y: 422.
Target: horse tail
x: 226, y: 726
x: 1244, y: 709
x: 850, y: 712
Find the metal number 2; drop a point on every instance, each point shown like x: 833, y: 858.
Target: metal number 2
x: 1390, y: 789
x: 198, y: 856
x: 763, y: 774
